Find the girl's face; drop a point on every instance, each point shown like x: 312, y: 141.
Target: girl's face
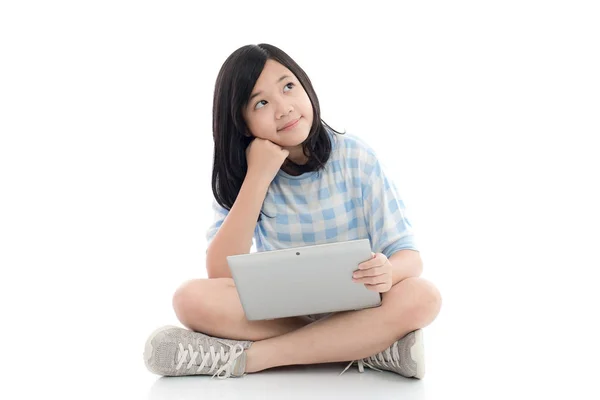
x: 279, y: 109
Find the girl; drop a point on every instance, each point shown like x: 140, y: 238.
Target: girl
x: 283, y: 177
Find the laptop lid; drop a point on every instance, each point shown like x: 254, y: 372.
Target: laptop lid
x: 303, y: 280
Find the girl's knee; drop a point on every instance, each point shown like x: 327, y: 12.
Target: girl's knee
x: 419, y: 299
x: 427, y: 301
x: 194, y: 301
x: 189, y: 302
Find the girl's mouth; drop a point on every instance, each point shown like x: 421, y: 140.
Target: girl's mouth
x: 290, y: 126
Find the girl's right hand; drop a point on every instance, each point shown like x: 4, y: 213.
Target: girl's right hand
x: 265, y: 158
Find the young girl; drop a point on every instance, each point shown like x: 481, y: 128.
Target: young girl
x: 283, y: 177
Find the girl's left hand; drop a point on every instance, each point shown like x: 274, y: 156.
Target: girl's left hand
x: 376, y: 274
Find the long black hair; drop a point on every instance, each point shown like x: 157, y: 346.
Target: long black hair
x: 233, y: 87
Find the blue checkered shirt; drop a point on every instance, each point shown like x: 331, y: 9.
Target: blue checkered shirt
x: 351, y: 198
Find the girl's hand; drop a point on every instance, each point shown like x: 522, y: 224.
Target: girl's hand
x: 265, y: 158
x: 376, y: 274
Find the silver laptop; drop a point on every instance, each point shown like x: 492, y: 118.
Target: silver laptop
x: 302, y: 280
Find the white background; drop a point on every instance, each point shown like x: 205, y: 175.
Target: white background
x: 486, y: 114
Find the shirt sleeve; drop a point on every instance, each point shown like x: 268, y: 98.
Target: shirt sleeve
x: 385, y: 213
x: 219, y: 214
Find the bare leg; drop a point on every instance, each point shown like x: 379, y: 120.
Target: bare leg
x: 213, y: 307
x: 411, y: 304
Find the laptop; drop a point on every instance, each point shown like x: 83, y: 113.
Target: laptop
x: 302, y: 280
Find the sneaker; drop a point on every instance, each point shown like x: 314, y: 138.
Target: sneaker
x: 405, y: 357
x: 173, y: 351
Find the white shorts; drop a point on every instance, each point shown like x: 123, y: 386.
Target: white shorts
x: 316, y: 317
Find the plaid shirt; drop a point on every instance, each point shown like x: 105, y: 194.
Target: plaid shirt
x: 351, y: 198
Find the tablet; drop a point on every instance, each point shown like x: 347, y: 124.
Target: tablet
x: 302, y: 280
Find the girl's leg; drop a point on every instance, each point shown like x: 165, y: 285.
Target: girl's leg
x: 411, y: 304
x: 213, y: 307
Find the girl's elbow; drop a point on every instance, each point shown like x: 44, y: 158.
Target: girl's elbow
x: 215, y: 269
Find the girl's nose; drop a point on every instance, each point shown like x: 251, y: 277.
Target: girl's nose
x: 284, y: 109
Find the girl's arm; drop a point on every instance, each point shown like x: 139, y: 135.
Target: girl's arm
x: 235, y: 235
x: 405, y: 264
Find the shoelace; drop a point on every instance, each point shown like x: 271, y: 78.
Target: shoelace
x: 228, y: 359
x: 361, y: 366
x: 383, y: 359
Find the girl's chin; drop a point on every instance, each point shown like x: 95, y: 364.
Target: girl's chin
x: 293, y: 141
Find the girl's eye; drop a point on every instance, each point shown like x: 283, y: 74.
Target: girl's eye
x: 256, y: 107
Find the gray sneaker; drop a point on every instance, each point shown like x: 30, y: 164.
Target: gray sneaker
x: 405, y: 357
x: 174, y: 351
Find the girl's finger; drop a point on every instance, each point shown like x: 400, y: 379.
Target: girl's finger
x: 375, y: 261
x: 372, y: 280
x: 381, y: 287
x: 376, y: 271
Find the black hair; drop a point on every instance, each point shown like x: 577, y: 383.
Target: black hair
x: 233, y: 88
